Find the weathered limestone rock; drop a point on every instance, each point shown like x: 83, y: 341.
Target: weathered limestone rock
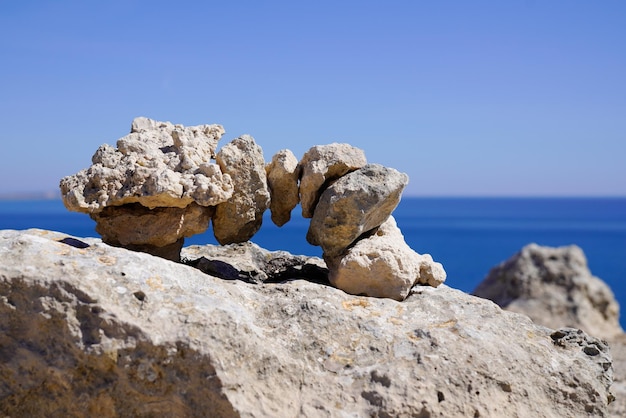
x: 282, y: 179
x: 88, y: 329
x: 555, y: 288
x: 158, y: 231
x: 149, y: 193
x: 157, y: 165
x: 356, y: 203
x: 618, y: 388
x: 323, y: 164
x: 240, y: 217
x: 383, y: 265
x: 150, y: 226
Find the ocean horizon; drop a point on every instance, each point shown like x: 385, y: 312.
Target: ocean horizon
x: 468, y: 235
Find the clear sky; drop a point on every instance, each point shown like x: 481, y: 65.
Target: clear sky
x: 487, y: 98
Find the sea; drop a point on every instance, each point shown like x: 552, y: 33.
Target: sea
x: 468, y: 236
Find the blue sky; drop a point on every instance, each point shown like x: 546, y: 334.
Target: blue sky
x: 478, y: 98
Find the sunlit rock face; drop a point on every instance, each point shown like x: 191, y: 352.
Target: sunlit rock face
x: 283, y: 173
x: 383, y: 265
x: 158, y: 186
x: 240, y: 217
x: 320, y: 166
x: 354, y: 204
x: 157, y: 165
x: 90, y: 327
x: 364, y: 249
x: 554, y: 286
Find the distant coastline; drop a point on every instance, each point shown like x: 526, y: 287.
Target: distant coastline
x: 51, y: 195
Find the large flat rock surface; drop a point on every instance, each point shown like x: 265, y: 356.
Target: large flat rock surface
x: 103, y: 331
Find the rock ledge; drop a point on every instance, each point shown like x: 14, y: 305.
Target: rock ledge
x: 94, y: 330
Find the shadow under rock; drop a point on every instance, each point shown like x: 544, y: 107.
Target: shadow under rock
x: 73, y: 242
x: 252, y: 264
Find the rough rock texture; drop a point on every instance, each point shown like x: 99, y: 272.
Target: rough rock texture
x: 136, y: 224
x: 383, y: 265
x: 555, y: 288
x: 618, y: 352
x: 240, y: 217
x: 159, y: 231
x: 356, y: 203
x: 249, y: 262
x: 93, y: 330
x: 150, y: 192
x: 320, y: 166
x: 282, y: 179
x: 157, y: 165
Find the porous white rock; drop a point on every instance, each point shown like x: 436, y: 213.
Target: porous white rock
x: 157, y: 165
x: 241, y: 216
x: 321, y: 165
x: 283, y: 173
x: 91, y: 330
x: 355, y: 204
x: 156, y: 188
x: 383, y: 265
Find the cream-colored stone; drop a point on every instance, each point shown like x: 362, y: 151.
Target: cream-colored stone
x: 157, y: 187
x: 383, y: 265
x: 323, y: 164
x: 157, y: 165
x: 355, y: 204
x: 282, y: 179
x: 241, y: 216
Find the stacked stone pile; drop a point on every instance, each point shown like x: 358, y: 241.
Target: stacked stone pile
x: 350, y: 205
x: 157, y: 187
x: 165, y: 182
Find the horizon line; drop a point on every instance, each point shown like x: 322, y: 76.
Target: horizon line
x: 16, y: 196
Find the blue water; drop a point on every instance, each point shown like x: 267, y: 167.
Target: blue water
x: 467, y: 235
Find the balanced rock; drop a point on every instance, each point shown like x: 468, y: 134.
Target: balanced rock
x: 320, y: 166
x: 241, y: 216
x: 149, y: 192
x: 138, y: 228
x: 91, y: 330
x: 383, y: 265
x: 555, y: 288
x: 157, y: 165
x: 282, y: 179
x: 354, y: 204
